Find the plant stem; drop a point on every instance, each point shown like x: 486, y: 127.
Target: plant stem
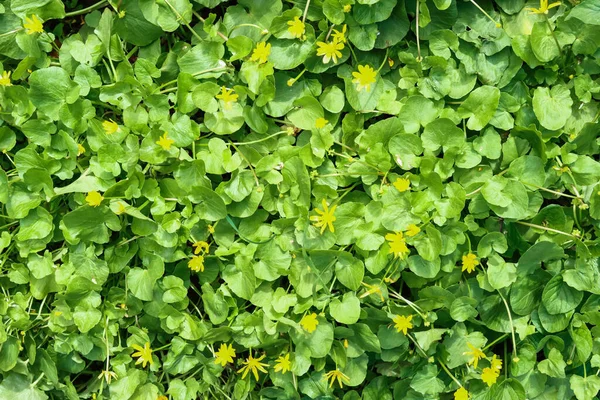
x: 87, y: 9
x: 553, y: 35
x: 419, y: 58
x: 179, y: 16
x: 546, y: 229
x: 305, y: 11
x: 512, y: 327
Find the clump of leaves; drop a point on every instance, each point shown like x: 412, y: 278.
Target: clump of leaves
x: 357, y: 199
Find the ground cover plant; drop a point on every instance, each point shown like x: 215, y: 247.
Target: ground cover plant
x: 273, y: 199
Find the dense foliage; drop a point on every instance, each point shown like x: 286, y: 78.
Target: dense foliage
x: 274, y: 199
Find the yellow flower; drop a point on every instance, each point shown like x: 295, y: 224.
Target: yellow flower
x: 5, y: 79
x: 373, y: 289
x: 489, y: 376
x: 338, y: 36
x: 225, y: 354
x: 110, y: 127
x: 201, y: 246
x: 254, y: 365
x: 496, y: 364
x: 390, y: 62
x: 461, y: 394
x: 165, y: 141
x: 211, y: 229
x: 330, y: 51
x: 412, y: 230
x: 80, y: 149
x: 347, y: 8
x: 261, y: 52
x: 321, y: 122
x: 107, y: 375
x: 544, y: 7
x: 402, y: 184
x: 325, y: 217
x: 296, y: 28
x: 364, y: 77
x: 309, y: 322
x: 122, y: 208
x: 475, y: 353
x: 469, y: 262
x: 291, y: 81
x: 397, y: 244
x: 33, y: 25
x: 402, y: 323
x: 144, y: 354
x: 160, y: 397
x: 228, y: 96
x: 283, y: 364
x: 196, y: 264
x: 339, y: 375
x: 94, y: 198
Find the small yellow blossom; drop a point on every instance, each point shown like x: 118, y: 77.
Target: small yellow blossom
x: 338, y: 36
x: 107, y: 375
x: 412, y: 230
x: 58, y: 313
x: 122, y: 208
x: 496, y: 364
x: 321, y: 122
x: 225, y: 354
x: 373, y: 289
x: 201, y: 247
x: 296, y: 28
x: 94, y: 198
x: 159, y: 397
x: 330, y: 51
x: 461, y: 394
x: 5, y: 79
x: 364, y: 77
x: 345, y: 343
x: 33, y: 25
x: 339, y: 375
x: 489, y: 376
x: 254, y: 365
x: 347, y: 8
x: 261, y: 52
x: 325, y: 217
x: 390, y: 62
x: 211, y: 229
x: 402, y: 323
x: 80, y: 149
x: 165, y: 141
x: 228, y: 97
x: 283, y: 364
x: 397, y: 244
x: 544, y: 7
x: 475, y: 353
x: 309, y: 322
x: 469, y: 262
x: 402, y: 184
x: 291, y: 81
x: 110, y: 127
x: 196, y: 264
x: 144, y: 354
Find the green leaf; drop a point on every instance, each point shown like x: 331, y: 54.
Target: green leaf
x: 480, y: 107
x: 560, y: 298
x: 585, y: 388
x: 51, y: 88
x: 346, y: 311
x: 586, y: 12
x: 552, y: 107
x: 442, y: 132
